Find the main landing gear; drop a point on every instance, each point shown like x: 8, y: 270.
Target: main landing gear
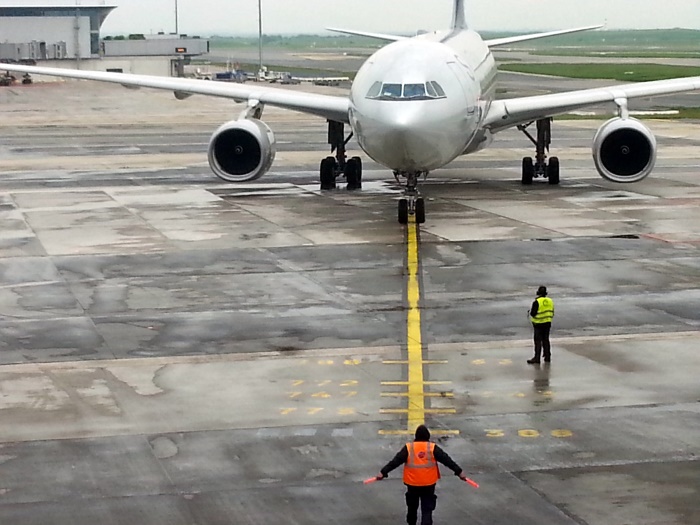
x: 540, y: 167
x: 340, y: 165
x: 411, y: 203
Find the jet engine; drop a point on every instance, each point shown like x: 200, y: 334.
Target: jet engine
x: 242, y: 150
x: 624, y: 150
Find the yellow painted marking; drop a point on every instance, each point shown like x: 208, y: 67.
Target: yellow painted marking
x: 405, y: 362
x: 410, y: 433
x: 479, y: 362
x: 487, y: 394
x: 405, y: 383
x: 298, y: 382
x: 326, y: 362
x: 425, y: 394
x: 519, y: 394
x: 424, y: 411
x: 349, y: 382
x: 505, y: 362
x: 346, y: 411
x: 562, y: 433
x: 292, y: 395
x: 416, y: 401
x: 313, y: 411
x: 350, y: 393
x: 321, y: 395
x: 285, y: 411
x: 324, y: 383
x: 494, y: 433
x: 547, y: 393
x: 528, y: 433
x: 352, y: 362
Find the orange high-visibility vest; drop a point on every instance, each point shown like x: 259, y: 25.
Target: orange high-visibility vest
x: 421, y: 469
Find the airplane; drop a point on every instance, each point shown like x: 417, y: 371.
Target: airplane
x: 416, y: 105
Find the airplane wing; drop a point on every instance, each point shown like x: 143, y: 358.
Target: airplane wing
x: 495, y: 42
x: 326, y: 106
x: 378, y: 36
x: 508, y: 113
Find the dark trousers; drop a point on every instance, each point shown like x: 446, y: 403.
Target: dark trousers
x: 542, y: 340
x: 425, y: 496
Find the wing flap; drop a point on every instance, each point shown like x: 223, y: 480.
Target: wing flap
x: 508, y: 113
x: 326, y: 106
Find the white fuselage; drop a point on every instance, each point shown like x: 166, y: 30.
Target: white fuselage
x: 410, y: 133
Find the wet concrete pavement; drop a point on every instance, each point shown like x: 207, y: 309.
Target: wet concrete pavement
x: 177, y: 350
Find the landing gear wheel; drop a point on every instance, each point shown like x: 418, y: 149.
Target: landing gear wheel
x: 403, y: 211
x: 420, y: 211
x: 553, y: 170
x: 353, y: 173
x: 328, y: 173
x: 528, y: 171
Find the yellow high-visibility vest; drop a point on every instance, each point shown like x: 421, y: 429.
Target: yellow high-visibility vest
x: 545, y: 311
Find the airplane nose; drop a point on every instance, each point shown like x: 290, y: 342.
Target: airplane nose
x: 405, y: 142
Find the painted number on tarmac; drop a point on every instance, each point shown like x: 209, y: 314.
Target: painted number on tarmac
x: 317, y: 410
x: 345, y: 388
x: 501, y: 362
x: 528, y: 433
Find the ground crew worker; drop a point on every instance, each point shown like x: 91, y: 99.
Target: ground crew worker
x: 541, y: 315
x: 420, y: 474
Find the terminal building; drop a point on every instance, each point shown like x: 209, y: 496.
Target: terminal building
x: 69, y: 36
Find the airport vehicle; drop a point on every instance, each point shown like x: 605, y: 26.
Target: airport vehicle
x: 416, y: 104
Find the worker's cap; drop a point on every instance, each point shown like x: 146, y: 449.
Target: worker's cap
x: 422, y: 433
x: 542, y: 291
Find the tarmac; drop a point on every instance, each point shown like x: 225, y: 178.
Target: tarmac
x: 174, y: 349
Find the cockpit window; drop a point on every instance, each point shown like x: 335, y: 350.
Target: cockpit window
x: 438, y: 88
x: 428, y: 91
x: 374, y: 90
x: 391, y: 90
x: 413, y: 90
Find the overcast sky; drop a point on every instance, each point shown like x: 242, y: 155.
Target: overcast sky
x: 206, y: 17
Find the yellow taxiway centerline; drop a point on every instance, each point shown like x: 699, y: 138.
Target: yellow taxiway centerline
x: 416, y: 397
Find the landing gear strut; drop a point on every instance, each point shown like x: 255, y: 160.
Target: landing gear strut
x: 540, y: 167
x: 340, y: 165
x: 411, y: 203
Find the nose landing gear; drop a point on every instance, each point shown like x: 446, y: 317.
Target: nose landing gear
x: 411, y: 204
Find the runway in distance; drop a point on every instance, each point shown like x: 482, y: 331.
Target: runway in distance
x: 416, y: 105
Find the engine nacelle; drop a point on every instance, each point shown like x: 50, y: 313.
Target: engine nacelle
x: 242, y: 150
x: 624, y: 150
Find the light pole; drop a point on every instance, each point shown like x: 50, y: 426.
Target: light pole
x: 260, y: 35
x: 177, y: 29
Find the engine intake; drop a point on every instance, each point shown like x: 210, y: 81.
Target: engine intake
x: 624, y: 150
x: 242, y: 150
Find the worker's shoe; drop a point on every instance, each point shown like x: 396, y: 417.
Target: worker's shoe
x: 547, y: 359
x: 533, y: 361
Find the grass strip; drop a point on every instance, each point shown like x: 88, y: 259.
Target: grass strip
x: 621, y: 72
